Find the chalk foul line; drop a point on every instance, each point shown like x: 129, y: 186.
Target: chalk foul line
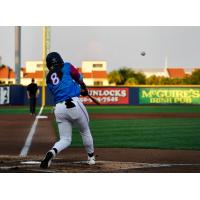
x: 29, y: 138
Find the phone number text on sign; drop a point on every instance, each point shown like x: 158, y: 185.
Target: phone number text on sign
x: 108, y: 96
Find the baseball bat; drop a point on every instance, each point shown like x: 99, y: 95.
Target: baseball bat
x: 94, y: 100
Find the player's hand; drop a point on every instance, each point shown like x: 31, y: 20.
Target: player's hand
x: 84, y: 92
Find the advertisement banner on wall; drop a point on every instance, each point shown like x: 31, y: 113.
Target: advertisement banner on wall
x: 4, y: 95
x: 108, y: 96
x: 169, y: 95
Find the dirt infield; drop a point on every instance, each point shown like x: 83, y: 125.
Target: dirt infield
x: 14, y: 130
x: 108, y: 160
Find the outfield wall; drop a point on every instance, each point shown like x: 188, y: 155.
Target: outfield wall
x: 143, y: 95
x: 15, y: 95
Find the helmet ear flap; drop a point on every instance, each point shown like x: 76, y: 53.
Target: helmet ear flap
x: 53, y: 59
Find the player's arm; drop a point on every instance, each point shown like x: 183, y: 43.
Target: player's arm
x: 79, y: 79
x: 37, y: 91
x: 28, y: 95
x: 27, y: 92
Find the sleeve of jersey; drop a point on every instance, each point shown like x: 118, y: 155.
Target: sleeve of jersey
x: 76, y: 75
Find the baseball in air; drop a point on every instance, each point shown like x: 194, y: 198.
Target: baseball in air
x: 142, y: 53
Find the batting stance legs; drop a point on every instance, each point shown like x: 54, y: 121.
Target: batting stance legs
x: 68, y: 114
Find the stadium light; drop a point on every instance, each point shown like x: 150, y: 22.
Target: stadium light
x: 17, y: 53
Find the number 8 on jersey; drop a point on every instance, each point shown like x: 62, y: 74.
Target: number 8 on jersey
x: 54, y: 78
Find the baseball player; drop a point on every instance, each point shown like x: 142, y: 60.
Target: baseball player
x: 32, y: 93
x: 66, y: 84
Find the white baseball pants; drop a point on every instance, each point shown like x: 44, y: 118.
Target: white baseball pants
x: 68, y: 117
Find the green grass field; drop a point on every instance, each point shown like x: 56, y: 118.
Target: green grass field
x: 111, y: 109
x: 169, y: 133
x: 144, y: 133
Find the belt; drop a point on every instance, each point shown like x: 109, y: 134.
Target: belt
x: 68, y: 103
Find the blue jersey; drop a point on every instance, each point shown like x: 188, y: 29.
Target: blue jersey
x: 61, y: 84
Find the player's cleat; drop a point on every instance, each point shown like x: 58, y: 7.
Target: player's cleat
x: 91, y: 160
x: 47, y: 160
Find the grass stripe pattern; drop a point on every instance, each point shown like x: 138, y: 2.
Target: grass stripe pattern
x: 144, y: 133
